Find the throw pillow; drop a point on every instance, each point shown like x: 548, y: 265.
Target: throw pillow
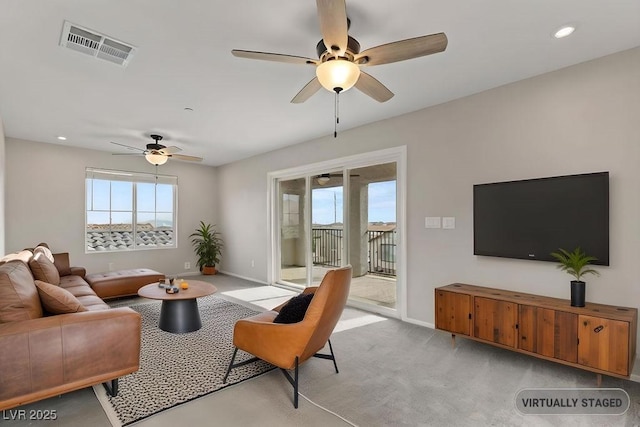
x: 45, y: 251
x: 57, y: 300
x: 294, y: 310
x: 43, y: 269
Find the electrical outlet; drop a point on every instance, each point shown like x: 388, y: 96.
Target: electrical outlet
x: 187, y: 265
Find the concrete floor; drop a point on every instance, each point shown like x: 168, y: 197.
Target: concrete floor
x: 391, y: 374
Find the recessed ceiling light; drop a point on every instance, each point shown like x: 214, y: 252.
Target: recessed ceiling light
x: 62, y: 138
x: 564, y: 31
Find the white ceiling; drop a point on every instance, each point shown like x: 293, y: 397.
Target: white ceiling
x: 241, y: 107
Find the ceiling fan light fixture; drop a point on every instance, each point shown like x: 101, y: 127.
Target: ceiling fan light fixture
x: 156, y: 159
x: 337, y: 75
x: 323, y: 179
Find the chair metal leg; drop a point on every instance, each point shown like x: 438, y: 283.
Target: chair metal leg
x: 111, y: 387
x: 328, y: 356
x: 224, y: 380
x: 237, y: 365
x: 294, y: 382
x: 333, y: 357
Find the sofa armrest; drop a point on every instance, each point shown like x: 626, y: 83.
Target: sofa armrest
x: 52, y: 355
x: 61, y: 261
x: 78, y: 271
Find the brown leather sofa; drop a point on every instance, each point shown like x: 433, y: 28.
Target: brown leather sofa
x: 122, y: 283
x: 44, y: 354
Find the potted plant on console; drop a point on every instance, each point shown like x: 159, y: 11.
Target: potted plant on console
x: 577, y: 264
x: 207, y: 244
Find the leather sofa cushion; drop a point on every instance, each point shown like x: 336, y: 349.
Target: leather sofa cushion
x: 122, y: 282
x: 93, y: 303
x: 19, y: 299
x: 56, y: 300
x: 44, y: 270
x: 76, y: 285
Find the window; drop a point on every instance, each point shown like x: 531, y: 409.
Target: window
x: 290, y: 216
x: 290, y: 209
x: 129, y: 211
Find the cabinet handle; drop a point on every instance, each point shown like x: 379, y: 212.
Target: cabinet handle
x: 598, y: 329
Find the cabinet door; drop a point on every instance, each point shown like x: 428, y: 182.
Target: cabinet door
x: 453, y: 311
x: 604, y: 344
x: 548, y: 332
x: 495, y: 321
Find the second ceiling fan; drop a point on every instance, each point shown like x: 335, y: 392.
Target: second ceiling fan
x: 338, y: 66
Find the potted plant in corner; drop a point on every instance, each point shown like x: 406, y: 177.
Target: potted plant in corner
x: 576, y: 263
x: 207, y: 244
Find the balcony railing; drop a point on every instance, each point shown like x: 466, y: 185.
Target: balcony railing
x: 382, y: 252
x: 381, y: 249
x: 327, y: 246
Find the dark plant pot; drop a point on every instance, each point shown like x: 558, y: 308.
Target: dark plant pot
x: 577, y: 293
x: 207, y: 270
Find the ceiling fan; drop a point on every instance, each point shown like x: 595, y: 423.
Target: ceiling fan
x: 156, y: 153
x: 338, y: 66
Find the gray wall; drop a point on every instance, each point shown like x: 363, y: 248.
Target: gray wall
x: 584, y: 118
x: 2, y: 186
x: 45, y: 193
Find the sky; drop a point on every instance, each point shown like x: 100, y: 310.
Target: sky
x: 119, y: 198
x: 328, y: 203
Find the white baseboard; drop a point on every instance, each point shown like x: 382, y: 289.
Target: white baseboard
x: 250, y: 279
x: 183, y: 274
x: 419, y: 323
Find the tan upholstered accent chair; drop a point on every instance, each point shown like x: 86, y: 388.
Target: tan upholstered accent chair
x: 287, y: 346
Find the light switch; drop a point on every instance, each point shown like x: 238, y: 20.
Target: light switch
x: 448, y: 222
x: 432, y: 222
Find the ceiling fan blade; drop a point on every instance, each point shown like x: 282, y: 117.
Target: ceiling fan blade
x: 370, y: 86
x: 169, y: 150
x: 310, y: 88
x: 127, y: 154
x: 402, y: 50
x: 185, y: 157
x: 333, y: 25
x: 128, y: 146
x: 277, y: 57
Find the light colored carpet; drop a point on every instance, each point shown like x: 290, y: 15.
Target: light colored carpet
x: 392, y: 373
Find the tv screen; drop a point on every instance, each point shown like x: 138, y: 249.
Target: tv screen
x: 529, y: 219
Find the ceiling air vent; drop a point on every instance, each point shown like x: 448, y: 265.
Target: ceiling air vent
x: 95, y: 44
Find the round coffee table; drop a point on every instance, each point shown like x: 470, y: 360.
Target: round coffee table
x: 179, y: 312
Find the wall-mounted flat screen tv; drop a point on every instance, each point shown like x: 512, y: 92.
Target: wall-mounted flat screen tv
x: 529, y: 219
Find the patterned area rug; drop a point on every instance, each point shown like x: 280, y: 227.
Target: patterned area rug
x: 177, y: 368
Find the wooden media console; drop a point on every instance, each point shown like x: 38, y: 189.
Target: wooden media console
x: 598, y: 338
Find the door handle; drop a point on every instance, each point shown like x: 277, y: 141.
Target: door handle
x: 598, y: 329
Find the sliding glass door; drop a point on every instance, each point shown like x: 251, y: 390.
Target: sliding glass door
x: 292, y: 203
x: 373, y: 234
x: 332, y: 217
x: 327, y: 224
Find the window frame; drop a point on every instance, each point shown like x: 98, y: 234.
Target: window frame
x: 134, y: 178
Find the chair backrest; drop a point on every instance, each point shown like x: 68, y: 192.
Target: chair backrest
x: 326, y: 308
